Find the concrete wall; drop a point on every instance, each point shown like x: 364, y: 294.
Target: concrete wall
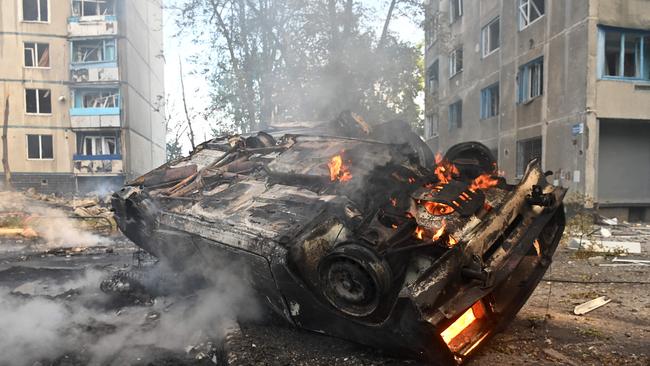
x: 142, y: 67
x: 561, y: 37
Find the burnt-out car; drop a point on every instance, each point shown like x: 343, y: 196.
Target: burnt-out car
x: 348, y: 235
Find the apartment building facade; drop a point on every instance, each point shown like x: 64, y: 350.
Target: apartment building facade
x: 81, y: 92
x: 567, y: 81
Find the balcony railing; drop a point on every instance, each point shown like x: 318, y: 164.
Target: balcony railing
x: 95, y: 117
x: 91, y: 26
x: 98, y: 164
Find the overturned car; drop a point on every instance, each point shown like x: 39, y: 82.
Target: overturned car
x: 346, y: 234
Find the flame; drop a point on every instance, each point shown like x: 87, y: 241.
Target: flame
x: 451, y: 241
x: 338, y: 170
x: 444, y: 170
x: 459, y: 325
x: 440, y: 232
x: 483, y: 181
x: 438, y: 209
x: 538, y: 249
x: 419, y: 233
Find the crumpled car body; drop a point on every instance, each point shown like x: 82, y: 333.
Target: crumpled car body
x: 357, y: 238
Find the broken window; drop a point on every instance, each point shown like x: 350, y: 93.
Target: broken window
x: 456, y: 115
x: 99, y: 145
x: 527, y: 150
x: 530, y: 80
x: 456, y: 61
x: 38, y: 101
x: 530, y: 11
x: 86, y: 8
x: 40, y: 147
x: 490, y: 37
x: 35, y: 10
x: 490, y: 101
x: 37, y: 54
x: 101, y: 50
x: 98, y: 99
x: 455, y: 10
x: 432, y: 77
x: 626, y: 54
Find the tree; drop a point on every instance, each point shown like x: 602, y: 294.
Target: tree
x: 301, y: 60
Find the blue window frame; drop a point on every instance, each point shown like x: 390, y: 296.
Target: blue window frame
x: 94, y: 51
x: 530, y: 81
x: 456, y: 115
x: 490, y: 101
x: 623, y: 54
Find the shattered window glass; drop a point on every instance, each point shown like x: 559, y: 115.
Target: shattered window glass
x: 87, y: 8
x: 100, y: 99
x: 101, y: 50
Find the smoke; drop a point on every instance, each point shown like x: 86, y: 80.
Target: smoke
x: 55, y: 319
x: 53, y: 225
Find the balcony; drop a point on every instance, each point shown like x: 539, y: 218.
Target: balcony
x: 95, y: 117
x: 95, y: 108
x: 98, y: 165
x: 92, y: 26
x: 94, y: 72
x: 94, y: 60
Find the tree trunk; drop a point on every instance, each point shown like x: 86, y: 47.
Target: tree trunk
x: 187, y: 113
x: 384, y: 32
x: 5, y: 148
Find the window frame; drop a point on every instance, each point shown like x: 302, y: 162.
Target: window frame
x: 432, y: 120
x: 457, y: 124
x: 38, y: 7
x: 430, y: 85
x: 524, y: 81
x: 93, y: 139
x: 520, y: 168
x: 453, y: 60
x: 81, y: 8
x: 103, y: 44
x: 486, y: 99
x: 38, y: 106
x: 602, y: 32
x: 453, y: 18
x: 520, y: 5
x: 83, y: 92
x: 431, y: 33
x: 40, y: 147
x: 485, y: 31
x: 35, y: 56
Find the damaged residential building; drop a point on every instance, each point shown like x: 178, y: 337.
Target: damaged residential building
x: 567, y: 81
x: 83, y: 80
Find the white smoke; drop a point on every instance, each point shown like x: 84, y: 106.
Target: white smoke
x: 53, y: 225
x: 42, y: 326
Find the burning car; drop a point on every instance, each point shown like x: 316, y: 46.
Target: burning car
x: 348, y: 235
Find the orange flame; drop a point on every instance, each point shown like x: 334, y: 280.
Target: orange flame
x: 483, y: 181
x: 459, y: 325
x: 440, y: 232
x: 338, y: 170
x: 444, y: 170
x: 419, y: 233
x: 438, y: 209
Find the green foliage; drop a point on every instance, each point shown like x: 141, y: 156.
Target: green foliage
x: 278, y: 60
